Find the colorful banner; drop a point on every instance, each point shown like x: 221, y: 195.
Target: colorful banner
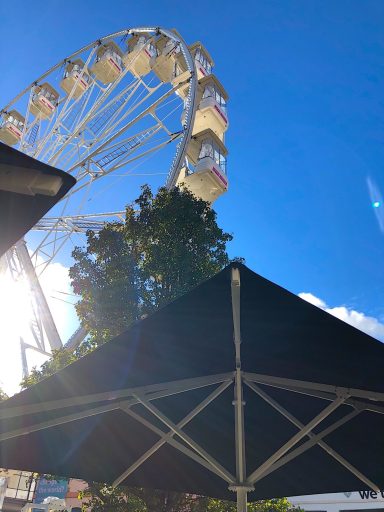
x: 45, y: 488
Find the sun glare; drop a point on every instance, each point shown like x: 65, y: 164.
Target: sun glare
x: 15, y: 307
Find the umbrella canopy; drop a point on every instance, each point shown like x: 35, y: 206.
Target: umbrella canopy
x: 28, y: 189
x: 238, y: 385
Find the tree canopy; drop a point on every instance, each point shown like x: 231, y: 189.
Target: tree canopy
x: 168, y: 244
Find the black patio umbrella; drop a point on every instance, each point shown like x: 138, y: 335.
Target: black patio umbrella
x: 237, y: 388
x: 28, y: 189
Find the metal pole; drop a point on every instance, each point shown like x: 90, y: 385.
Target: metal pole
x: 242, y: 487
x: 238, y: 402
x: 38, y: 295
x: 24, y: 363
x: 241, y: 494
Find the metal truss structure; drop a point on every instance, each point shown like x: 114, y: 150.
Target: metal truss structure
x: 110, y: 127
x: 240, y: 480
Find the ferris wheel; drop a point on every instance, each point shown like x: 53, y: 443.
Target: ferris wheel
x: 137, y: 106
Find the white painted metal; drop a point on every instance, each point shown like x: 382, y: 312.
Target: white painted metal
x: 297, y: 437
x: 242, y: 486
x: 333, y: 453
x: 297, y: 385
x: 164, y: 438
x: 78, y: 223
x: 185, y: 437
x: 124, y: 404
x: 308, y: 444
x: 43, y: 308
x: 181, y: 447
x: 171, y: 387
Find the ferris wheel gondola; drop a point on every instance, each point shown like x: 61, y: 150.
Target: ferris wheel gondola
x: 113, y: 105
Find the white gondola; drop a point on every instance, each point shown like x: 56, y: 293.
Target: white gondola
x: 203, y: 64
x: 44, y: 101
x: 164, y: 65
x: 11, y: 128
x: 208, y: 181
x: 108, y: 65
x: 212, y: 107
x: 139, y: 57
x: 76, y: 78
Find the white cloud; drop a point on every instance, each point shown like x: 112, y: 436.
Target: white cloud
x: 58, y: 291
x: 367, y: 324
x: 313, y: 300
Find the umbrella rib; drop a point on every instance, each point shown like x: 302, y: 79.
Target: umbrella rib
x: 308, y: 444
x: 183, y: 449
x: 186, y: 438
x: 313, y: 436
x: 359, y: 404
x: 300, y: 384
x: 88, y: 412
x: 164, y: 438
x: 297, y: 437
x: 181, y: 385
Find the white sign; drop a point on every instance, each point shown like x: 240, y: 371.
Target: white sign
x: 3, y: 488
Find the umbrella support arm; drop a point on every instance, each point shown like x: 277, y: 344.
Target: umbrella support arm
x: 203, y: 454
x: 314, y: 439
x: 167, y: 436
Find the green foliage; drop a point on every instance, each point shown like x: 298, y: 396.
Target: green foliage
x: 102, y: 498
x: 3, y: 395
x: 272, y: 505
x: 60, y: 359
x: 168, y: 244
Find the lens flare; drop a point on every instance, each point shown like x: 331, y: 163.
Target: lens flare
x: 376, y: 202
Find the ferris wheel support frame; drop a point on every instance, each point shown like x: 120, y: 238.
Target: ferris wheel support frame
x: 19, y: 260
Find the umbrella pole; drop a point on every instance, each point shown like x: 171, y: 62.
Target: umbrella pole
x: 241, y: 499
x: 242, y: 487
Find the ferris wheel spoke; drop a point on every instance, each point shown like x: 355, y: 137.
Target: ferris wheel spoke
x: 95, y: 119
x: 67, y: 104
x: 123, y: 129
x: 143, y: 154
x: 108, y: 129
x: 97, y: 169
x: 105, y: 93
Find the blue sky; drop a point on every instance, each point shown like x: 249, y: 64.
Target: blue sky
x: 305, y: 80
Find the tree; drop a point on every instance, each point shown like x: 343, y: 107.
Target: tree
x: 272, y: 505
x: 3, y: 395
x: 168, y: 244
x: 102, y: 498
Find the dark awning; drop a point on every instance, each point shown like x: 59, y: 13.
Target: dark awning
x: 303, y: 373
x: 28, y: 189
